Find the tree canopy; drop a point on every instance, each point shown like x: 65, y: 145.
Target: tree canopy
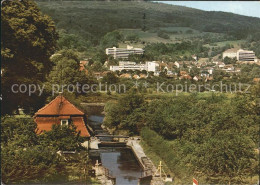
x: 66, y: 72
x: 28, y: 40
x: 30, y: 158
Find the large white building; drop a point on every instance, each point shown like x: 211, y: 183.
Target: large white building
x: 123, y: 52
x: 240, y: 55
x: 245, y: 55
x: 126, y: 65
x: 230, y: 53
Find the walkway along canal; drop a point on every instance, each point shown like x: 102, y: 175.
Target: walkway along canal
x: 120, y: 161
x: 124, y: 161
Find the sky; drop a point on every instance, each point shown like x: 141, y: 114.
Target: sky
x: 248, y: 8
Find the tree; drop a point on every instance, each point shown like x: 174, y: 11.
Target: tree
x: 64, y: 138
x: 227, y: 156
x: 100, y: 56
x: 111, y: 39
x: 144, y: 72
x: 194, y: 71
x: 215, y: 136
x: 27, y: 158
x: 163, y: 74
x: 163, y: 35
x: 23, y: 160
x: 228, y: 60
x: 32, y: 165
x: 18, y: 131
x: 132, y: 37
x: 136, y: 58
x: 110, y: 78
x: 125, y: 112
x: 28, y: 40
x: 66, y: 72
x: 97, y: 67
x: 71, y: 41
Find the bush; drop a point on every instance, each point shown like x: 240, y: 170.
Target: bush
x: 29, y: 158
x: 163, y: 35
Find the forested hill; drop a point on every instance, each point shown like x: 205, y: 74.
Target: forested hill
x: 93, y: 19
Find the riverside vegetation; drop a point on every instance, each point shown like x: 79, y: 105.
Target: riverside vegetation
x: 214, y: 138
x: 210, y: 136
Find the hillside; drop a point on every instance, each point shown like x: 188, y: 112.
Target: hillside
x: 93, y: 19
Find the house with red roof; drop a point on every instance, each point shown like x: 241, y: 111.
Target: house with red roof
x: 60, y: 111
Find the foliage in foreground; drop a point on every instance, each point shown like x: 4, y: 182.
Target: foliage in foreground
x: 214, y: 139
x: 28, y: 40
x: 211, y: 137
x: 29, y: 158
x: 223, y: 159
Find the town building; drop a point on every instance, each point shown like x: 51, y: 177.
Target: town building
x: 241, y: 55
x: 246, y: 56
x: 195, y: 57
x: 82, y: 66
x: 177, y: 64
x: 136, y: 77
x: 123, y: 52
x: 229, y: 68
x: 100, y: 75
x: 256, y: 80
x: 60, y: 111
x: 230, y: 53
x: 127, y: 65
x: 125, y: 75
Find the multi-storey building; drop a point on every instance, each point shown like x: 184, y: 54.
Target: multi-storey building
x: 245, y: 55
x: 123, y: 52
x: 241, y: 55
x: 126, y: 65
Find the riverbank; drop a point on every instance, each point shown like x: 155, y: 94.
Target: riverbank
x: 144, y: 161
x: 121, y: 162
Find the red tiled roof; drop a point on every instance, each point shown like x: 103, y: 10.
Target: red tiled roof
x: 59, y: 106
x: 45, y: 124
x: 79, y: 123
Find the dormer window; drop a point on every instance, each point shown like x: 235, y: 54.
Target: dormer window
x: 64, y: 122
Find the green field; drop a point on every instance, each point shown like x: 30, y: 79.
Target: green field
x: 235, y: 43
x: 176, y: 34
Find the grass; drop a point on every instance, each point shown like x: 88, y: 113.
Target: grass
x: 235, y: 43
x: 156, y: 159
x: 150, y: 36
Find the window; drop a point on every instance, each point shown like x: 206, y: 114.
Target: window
x: 64, y: 122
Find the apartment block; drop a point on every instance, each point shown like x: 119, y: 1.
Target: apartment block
x: 123, y: 52
x: 127, y: 65
x: 246, y: 56
x: 241, y: 55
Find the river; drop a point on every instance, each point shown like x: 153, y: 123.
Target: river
x: 121, y: 162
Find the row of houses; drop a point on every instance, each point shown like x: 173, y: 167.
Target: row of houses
x: 205, y: 66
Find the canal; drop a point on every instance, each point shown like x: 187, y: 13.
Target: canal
x: 120, y: 162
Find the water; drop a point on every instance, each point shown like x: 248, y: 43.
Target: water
x: 98, y: 119
x: 121, y: 162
